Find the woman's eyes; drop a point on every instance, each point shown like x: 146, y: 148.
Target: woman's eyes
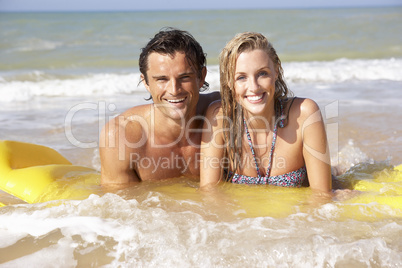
x: 243, y: 77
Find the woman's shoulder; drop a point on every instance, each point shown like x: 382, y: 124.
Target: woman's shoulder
x: 303, y: 107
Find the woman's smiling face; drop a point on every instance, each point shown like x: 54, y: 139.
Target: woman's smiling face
x: 254, y: 81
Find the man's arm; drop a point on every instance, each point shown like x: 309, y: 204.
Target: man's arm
x: 116, y: 165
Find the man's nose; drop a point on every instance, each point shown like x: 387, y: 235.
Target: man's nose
x: 174, y: 87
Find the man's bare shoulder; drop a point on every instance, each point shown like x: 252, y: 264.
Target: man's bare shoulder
x: 140, y: 110
x: 214, y: 109
x: 214, y: 114
x: 134, y: 115
x: 205, y: 100
x: 129, y: 125
x: 122, y: 136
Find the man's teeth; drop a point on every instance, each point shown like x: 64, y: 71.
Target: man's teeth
x: 255, y: 98
x: 176, y: 101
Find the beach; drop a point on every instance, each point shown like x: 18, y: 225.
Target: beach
x: 64, y: 75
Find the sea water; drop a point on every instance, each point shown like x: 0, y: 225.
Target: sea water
x: 63, y: 75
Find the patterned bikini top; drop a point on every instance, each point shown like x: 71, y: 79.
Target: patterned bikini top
x: 291, y: 179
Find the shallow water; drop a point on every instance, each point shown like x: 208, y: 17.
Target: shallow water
x: 171, y: 224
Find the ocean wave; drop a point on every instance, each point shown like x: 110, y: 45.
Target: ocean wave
x: 36, y: 44
x: 97, y: 84
x: 155, y: 228
x: 342, y: 70
x: 23, y: 87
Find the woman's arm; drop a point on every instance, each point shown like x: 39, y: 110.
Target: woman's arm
x: 212, y: 147
x: 315, y: 148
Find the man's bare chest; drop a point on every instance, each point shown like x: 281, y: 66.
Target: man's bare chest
x: 163, y: 163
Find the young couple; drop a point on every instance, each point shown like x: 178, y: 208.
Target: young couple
x: 256, y: 134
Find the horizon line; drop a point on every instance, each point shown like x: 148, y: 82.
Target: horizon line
x: 195, y: 9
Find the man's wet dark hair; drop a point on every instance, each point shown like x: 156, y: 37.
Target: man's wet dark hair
x: 168, y: 41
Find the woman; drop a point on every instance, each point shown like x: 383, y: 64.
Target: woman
x: 257, y: 133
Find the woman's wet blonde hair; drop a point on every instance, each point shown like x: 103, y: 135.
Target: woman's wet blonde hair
x: 233, y: 125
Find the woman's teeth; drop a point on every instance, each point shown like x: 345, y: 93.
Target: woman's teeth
x: 255, y: 98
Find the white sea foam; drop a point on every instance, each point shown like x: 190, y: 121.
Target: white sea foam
x: 321, y: 74
x: 97, y: 84
x: 348, y: 156
x: 342, y: 70
x: 155, y: 231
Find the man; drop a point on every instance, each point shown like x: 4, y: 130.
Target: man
x: 160, y: 140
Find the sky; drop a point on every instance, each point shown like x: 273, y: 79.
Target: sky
x: 138, y: 5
